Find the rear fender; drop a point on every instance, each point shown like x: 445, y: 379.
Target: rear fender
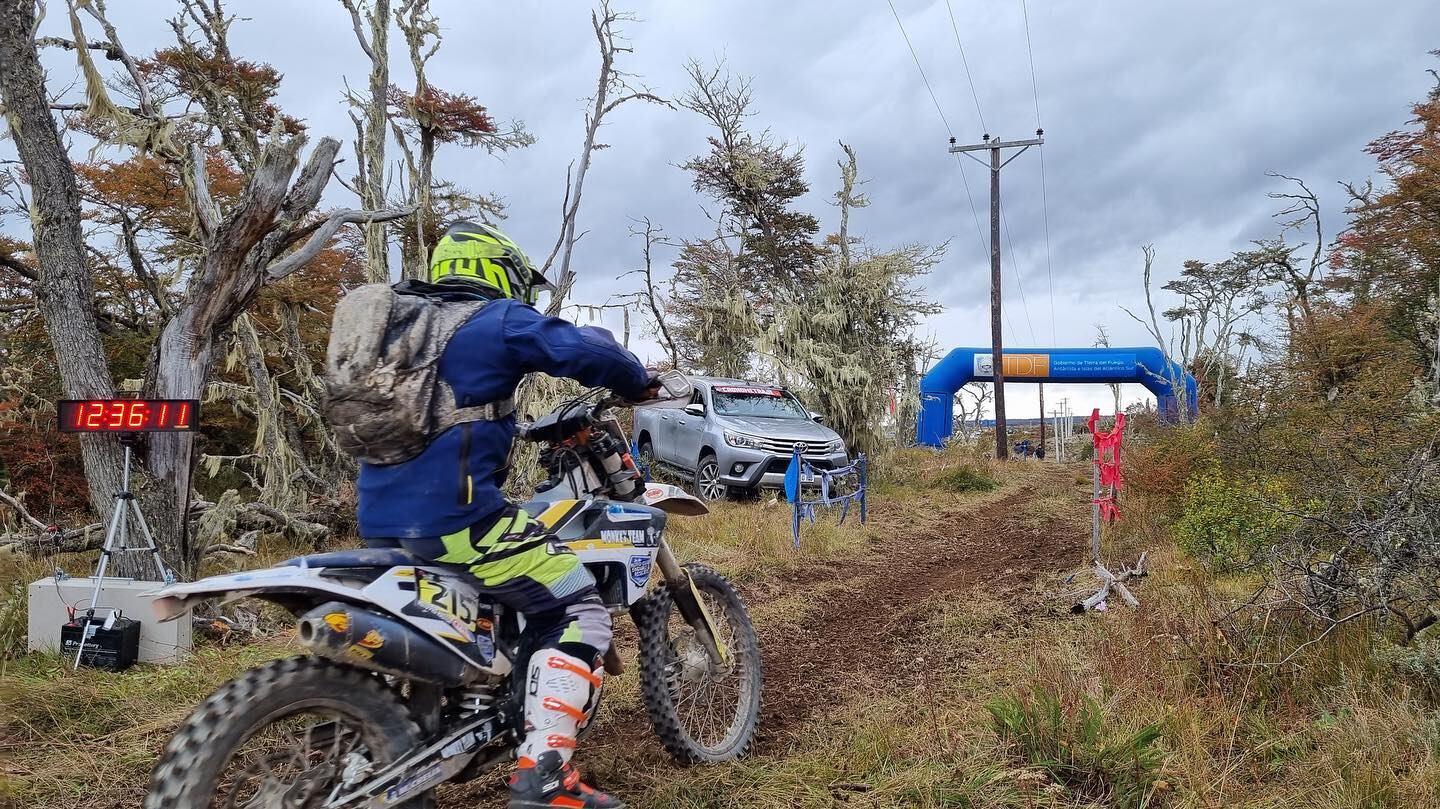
x: 268, y: 584
x: 674, y: 500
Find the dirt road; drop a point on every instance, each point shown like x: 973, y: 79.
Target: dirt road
x: 839, y: 629
x: 865, y: 630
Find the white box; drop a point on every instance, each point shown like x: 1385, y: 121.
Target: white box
x: 159, y: 643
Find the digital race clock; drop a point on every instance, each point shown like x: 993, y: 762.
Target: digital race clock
x: 127, y: 415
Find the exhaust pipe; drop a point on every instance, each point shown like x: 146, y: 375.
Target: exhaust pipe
x: 368, y: 639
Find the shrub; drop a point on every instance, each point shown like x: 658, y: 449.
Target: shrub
x: 1081, y: 748
x: 14, y: 620
x: 1159, y: 463
x: 966, y: 479
x: 1225, y: 520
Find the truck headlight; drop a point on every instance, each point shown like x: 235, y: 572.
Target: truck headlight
x: 741, y: 440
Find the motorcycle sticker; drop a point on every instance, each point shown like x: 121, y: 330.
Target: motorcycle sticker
x: 619, y: 513
x: 640, y: 569
x: 412, y: 784
x: 636, y: 537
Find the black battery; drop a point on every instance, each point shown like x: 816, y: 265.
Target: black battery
x: 113, y: 649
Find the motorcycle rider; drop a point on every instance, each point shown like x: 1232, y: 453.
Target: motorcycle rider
x: 446, y: 505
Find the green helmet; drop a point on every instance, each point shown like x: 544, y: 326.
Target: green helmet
x: 476, y: 253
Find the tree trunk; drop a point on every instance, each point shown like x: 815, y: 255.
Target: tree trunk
x: 230, y: 275
x: 425, y: 214
x: 64, y: 292
x: 278, y: 461
x: 372, y: 192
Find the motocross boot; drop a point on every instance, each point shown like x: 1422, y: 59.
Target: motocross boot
x: 552, y: 782
x: 558, y: 689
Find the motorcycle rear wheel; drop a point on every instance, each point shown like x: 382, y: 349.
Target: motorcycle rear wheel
x: 227, y: 752
x: 702, y: 713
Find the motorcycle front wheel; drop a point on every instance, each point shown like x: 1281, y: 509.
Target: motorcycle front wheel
x: 291, y: 733
x: 702, y: 712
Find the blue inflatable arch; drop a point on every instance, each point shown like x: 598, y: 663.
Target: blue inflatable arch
x: 1146, y: 366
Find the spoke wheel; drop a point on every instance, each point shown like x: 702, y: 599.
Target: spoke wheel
x: 292, y: 734
x: 702, y: 712
x: 707, y: 479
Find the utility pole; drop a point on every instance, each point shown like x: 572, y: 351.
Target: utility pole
x: 997, y: 349
x: 1059, y: 445
x: 1069, y: 420
x: 1042, y: 415
x: 1062, y: 427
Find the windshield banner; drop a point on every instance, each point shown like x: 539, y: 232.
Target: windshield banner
x: 748, y: 391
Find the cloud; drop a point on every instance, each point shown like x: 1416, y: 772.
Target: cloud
x: 1161, y: 120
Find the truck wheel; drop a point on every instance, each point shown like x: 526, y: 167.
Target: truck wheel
x: 707, y: 479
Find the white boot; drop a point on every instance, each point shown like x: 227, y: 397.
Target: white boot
x: 557, y: 695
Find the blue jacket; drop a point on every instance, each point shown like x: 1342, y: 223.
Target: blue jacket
x: 456, y: 481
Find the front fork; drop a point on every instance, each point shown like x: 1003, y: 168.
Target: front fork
x: 691, y: 605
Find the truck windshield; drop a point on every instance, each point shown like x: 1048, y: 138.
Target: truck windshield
x: 770, y: 403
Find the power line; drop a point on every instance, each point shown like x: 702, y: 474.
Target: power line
x: 920, y: 67
x: 1015, y: 269
x: 980, y: 114
x: 1044, y: 193
x: 966, y: 63
x: 1025, y: 12
x: 974, y: 214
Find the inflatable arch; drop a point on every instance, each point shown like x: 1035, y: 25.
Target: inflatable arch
x: 1146, y: 366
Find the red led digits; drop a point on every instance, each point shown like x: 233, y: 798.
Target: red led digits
x: 116, y: 418
x: 127, y: 415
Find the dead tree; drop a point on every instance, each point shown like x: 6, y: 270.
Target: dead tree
x: 263, y: 237
x: 1174, y: 364
x: 1102, y: 340
x: 428, y: 117
x: 611, y: 90
x: 649, y: 295
x: 370, y: 128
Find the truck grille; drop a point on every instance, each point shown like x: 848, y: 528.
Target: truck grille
x: 786, y: 446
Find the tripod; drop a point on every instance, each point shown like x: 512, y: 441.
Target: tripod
x: 119, y: 529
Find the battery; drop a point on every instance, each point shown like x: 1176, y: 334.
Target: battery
x: 113, y: 649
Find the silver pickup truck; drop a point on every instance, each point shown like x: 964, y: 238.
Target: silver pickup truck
x: 734, y: 436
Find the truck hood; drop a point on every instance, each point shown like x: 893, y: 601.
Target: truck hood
x: 780, y: 429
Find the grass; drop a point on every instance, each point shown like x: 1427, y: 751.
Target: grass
x: 1018, y: 704
x: 1075, y: 741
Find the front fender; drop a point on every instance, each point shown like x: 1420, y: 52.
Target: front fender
x: 177, y: 599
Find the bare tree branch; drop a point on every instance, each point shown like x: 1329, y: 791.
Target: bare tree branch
x: 318, y: 241
x: 611, y: 82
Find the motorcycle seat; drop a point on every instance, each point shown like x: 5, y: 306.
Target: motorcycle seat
x: 360, y: 557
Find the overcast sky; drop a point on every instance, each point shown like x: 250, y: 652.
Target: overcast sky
x: 1160, y: 118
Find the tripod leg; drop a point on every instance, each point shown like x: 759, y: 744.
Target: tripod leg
x: 150, y: 541
x: 117, y: 520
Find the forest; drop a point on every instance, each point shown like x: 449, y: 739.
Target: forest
x: 167, y: 229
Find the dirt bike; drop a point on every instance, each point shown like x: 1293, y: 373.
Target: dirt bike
x: 410, y: 680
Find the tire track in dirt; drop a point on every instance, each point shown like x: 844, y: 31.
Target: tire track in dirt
x: 816, y: 661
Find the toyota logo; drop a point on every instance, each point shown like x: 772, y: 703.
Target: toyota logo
x: 802, y: 448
